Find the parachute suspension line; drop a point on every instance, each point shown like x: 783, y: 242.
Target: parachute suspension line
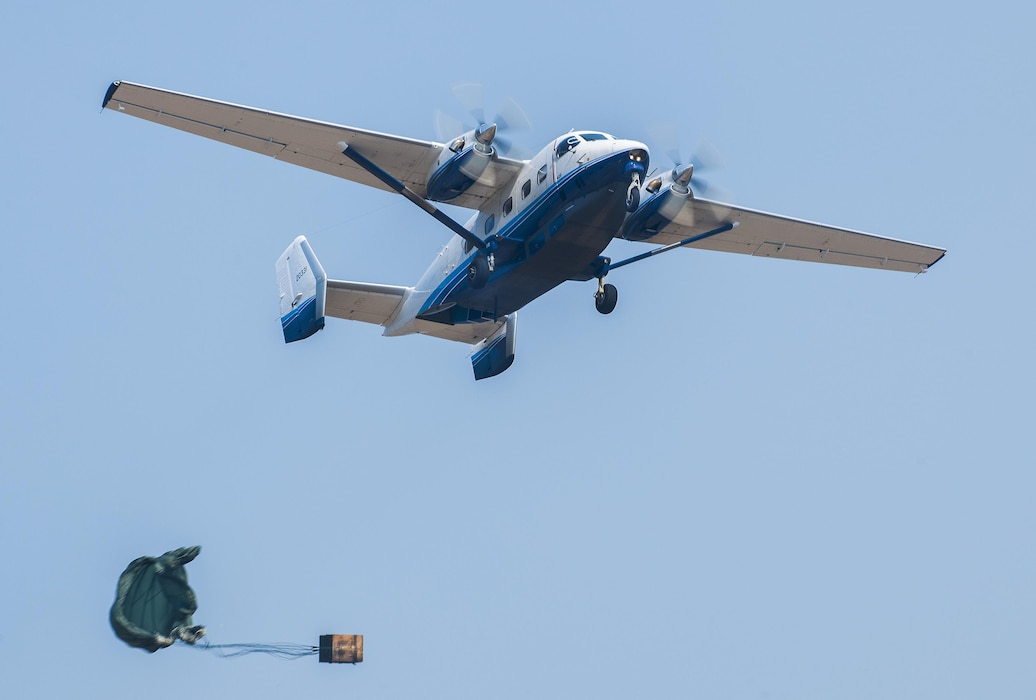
x: 351, y: 219
x: 281, y: 651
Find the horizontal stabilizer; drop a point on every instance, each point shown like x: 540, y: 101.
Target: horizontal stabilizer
x: 303, y: 287
x: 363, y: 301
x: 496, y: 353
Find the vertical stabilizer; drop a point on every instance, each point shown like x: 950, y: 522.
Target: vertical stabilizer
x: 303, y: 287
x: 496, y: 353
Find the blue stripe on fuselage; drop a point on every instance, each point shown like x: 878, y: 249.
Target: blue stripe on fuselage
x: 522, y: 226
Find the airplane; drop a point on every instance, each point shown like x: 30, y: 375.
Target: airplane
x: 537, y: 222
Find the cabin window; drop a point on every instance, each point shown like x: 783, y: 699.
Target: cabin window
x: 508, y: 205
x: 541, y: 174
x: 490, y: 223
x: 526, y: 188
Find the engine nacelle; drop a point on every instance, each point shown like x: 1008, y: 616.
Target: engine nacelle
x: 462, y: 164
x: 664, y: 198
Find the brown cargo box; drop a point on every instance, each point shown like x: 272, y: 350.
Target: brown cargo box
x: 341, y: 648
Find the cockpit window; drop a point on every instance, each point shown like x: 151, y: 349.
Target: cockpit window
x: 593, y: 136
x: 566, y: 144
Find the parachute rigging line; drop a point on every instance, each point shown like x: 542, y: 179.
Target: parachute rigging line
x: 281, y: 651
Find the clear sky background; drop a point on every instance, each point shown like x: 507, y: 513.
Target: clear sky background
x: 755, y: 479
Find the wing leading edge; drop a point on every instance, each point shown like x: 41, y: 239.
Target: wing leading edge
x: 306, y: 142
x: 774, y: 236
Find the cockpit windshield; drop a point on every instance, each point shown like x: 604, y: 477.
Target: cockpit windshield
x: 567, y: 143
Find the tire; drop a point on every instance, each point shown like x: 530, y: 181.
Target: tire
x: 606, y: 301
x: 478, y: 272
x: 633, y: 200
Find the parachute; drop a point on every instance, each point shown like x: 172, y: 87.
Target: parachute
x: 153, y: 603
x: 153, y: 608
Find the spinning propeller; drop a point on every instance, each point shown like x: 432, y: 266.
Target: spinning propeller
x: 487, y: 134
x: 685, y: 177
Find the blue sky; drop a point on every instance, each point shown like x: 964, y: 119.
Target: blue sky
x: 755, y: 479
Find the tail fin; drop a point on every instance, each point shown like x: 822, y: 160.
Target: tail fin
x: 303, y: 287
x: 496, y: 353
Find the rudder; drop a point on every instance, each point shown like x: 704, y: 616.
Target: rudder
x: 496, y: 353
x: 303, y: 287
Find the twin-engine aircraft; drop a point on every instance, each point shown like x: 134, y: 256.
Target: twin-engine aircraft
x: 537, y: 222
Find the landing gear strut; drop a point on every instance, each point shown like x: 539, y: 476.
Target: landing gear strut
x: 607, y: 295
x: 606, y: 298
x: 633, y: 194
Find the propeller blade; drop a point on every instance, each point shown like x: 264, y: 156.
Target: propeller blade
x: 448, y: 127
x: 719, y: 194
x: 666, y: 138
x: 471, y: 96
x: 512, y: 116
x: 707, y: 156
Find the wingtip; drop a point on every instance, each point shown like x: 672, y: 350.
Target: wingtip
x: 111, y: 91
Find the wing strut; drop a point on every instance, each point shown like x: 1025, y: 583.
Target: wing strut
x: 607, y: 295
x: 376, y: 171
x: 672, y: 246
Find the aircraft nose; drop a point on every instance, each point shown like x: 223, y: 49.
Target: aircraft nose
x: 639, y: 156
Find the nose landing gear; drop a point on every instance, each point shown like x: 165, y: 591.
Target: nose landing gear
x: 633, y: 193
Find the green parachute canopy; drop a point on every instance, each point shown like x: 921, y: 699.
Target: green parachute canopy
x: 153, y: 603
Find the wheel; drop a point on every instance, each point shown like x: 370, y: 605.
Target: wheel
x: 606, y: 300
x: 632, y: 200
x: 478, y: 272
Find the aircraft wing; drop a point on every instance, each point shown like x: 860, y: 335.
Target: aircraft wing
x: 311, y: 144
x: 773, y: 236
